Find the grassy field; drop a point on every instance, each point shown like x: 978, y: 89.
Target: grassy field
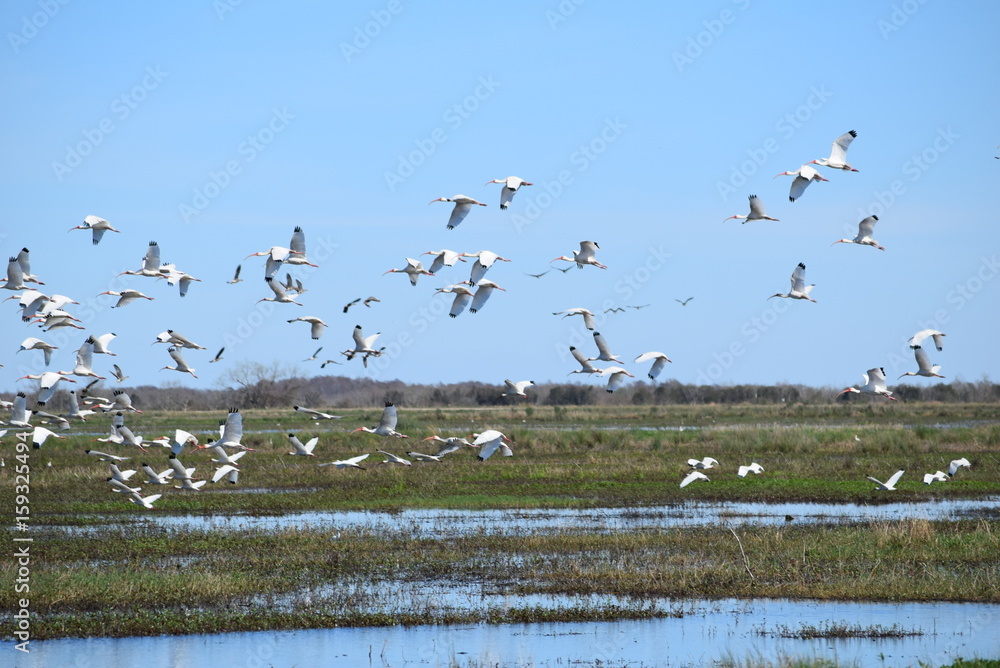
x: 118, y: 579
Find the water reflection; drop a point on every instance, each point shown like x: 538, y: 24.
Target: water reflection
x: 709, y: 631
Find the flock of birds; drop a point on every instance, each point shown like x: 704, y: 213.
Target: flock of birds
x: 54, y: 311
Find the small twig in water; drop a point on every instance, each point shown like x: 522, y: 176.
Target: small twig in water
x: 746, y: 562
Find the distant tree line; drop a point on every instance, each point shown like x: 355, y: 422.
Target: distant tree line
x: 255, y: 385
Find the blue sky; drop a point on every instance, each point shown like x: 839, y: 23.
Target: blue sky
x: 216, y: 128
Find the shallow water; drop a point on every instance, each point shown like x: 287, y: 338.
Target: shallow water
x: 445, y: 523
x: 709, y: 631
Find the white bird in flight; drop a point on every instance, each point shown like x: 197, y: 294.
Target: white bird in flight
x: 865, y: 230
x: 588, y: 316
x: 919, y: 337
x: 517, y: 389
x: 442, y: 258
x: 353, y: 462
x: 414, y: 269
x: 463, y: 296
x: 33, y: 343
x: 316, y: 415
x: 463, y: 205
x: 706, y: 463
x: 799, y: 289
x: 603, y: 351
x: 297, y: 248
x: 387, y: 424
x: 98, y: 225
x: 280, y: 296
x: 838, y: 153
x: 179, y: 363
x: 363, y: 346
x: 937, y: 476
x: 874, y: 384
x: 586, y: 255
x: 47, y: 383
x: 804, y: 175
x: 756, y: 212
x: 489, y: 442
x: 753, y: 467
x: 484, y: 288
x: 484, y: 260
x: 394, y: 459
x: 925, y: 368
x: 150, y: 263
x: 510, y: 187
x: 125, y: 297
x: 661, y: 361
x: 616, y: 377
x: 317, y: 325
x: 692, y: 477
x: 586, y: 366
x: 888, y: 485
x: 957, y: 464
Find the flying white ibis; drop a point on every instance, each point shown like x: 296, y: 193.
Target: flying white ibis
x: 484, y: 288
x: 317, y: 325
x: 517, y: 389
x: 24, y: 259
x: 387, y: 424
x: 394, y: 459
x: 150, y: 263
x: 937, y: 476
x: 838, y: 153
x: 231, y: 431
x: 414, y: 269
x: 421, y: 457
x: 105, y: 457
x: 919, y: 337
x: 865, y: 230
x: 799, y: 289
x: 303, y: 449
x: 47, y: 383
x: 756, y: 212
x: 660, y: 362
x: 236, y: 277
x: 227, y: 471
x: 15, y: 277
x: 586, y: 255
x: 510, y: 186
x: 449, y: 445
x: 118, y: 474
x: 363, y: 346
x: 753, y: 467
x: 957, y: 464
x: 925, y: 368
x: 126, y: 297
x: 353, y: 462
x: 32, y: 343
x: 616, y: 376
x: 442, y: 258
x: 102, y: 342
x: 588, y: 316
x: 586, y: 366
x: 888, y: 485
x: 98, y: 226
x: 874, y: 384
x: 85, y: 360
x: 603, y: 351
x: 175, y: 338
x: 39, y: 436
x: 489, y: 442
x: 276, y: 256
x: 297, y: 248
x: 693, y: 476
x: 463, y: 296
x: 484, y: 260
x: 175, y: 276
x: 19, y: 412
x: 280, y: 296
x: 179, y: 363
x: 463, y: 205
x: 706, y: 463
x: 804, y: 175
x: 224, y: 458
x: 316, y: 415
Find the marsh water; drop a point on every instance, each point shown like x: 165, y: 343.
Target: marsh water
x: 705, y: 633
x: 446, y: 523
